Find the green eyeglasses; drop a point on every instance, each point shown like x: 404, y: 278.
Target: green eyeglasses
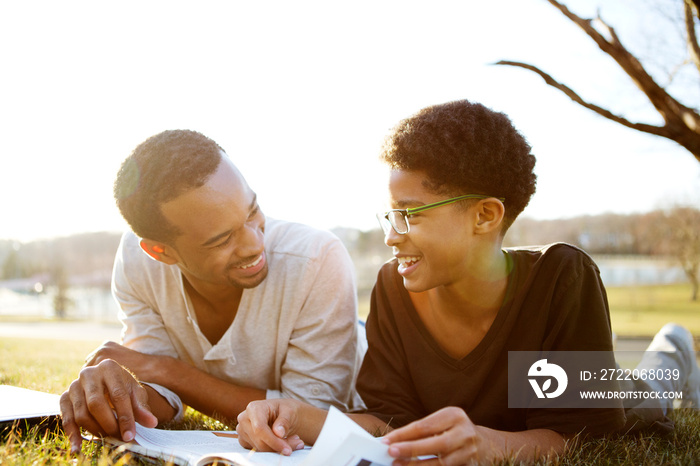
x: 398, y: 218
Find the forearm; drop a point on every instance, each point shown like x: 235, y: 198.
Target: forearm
x: 526, y: 446
x: 204, y: 392
x: 371, y: 424
x: 312, y: 420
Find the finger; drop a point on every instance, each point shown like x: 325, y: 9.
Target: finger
x: 70, y: 428
x: 120, y: 385
x: 261, y: 441
x: 415, y: 448
x: 433, y: 424
x: 268, y: 439
x: 445, y: 446
x: 457, y: 457
x: 255, y: 432
x: 90, y: 359
x: 442, y: 433
x: 81, y: 410
x: 295, y: 442
x: 282, y: 424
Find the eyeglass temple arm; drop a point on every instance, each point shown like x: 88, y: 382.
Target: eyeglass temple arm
x: 449, y: 201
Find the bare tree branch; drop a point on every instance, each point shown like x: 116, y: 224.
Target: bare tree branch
x: 655, y: 130
x: 682, y: 124
x: 693, y: 46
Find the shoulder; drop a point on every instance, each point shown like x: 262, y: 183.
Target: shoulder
x: 297, y: 239
x: 555, y: 254
x: 129, y: 248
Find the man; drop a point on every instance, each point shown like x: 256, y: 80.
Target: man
x: 452, y: 305
x: 220, y: 305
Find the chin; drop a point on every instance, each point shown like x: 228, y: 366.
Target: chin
x: 252, y: 282
x: 414, y: 286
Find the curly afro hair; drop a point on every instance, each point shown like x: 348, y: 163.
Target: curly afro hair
x: 157, y: 171
x: 465, y: 148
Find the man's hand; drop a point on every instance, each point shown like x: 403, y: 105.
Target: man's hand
x: 140, y: 364
x: 106, y: 399
x: 278, y: 425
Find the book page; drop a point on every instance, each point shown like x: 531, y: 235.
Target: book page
x: 22, y: 403
x: 192, y: 445
x: 342, y: 442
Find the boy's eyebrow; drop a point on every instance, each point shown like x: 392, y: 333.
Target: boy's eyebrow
x: 407, y: 203
x: 215, y: 239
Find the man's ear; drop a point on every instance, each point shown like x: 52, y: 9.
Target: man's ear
x: 158, y: 251
x: 489, y: 216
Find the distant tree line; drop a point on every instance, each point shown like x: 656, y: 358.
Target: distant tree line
x: 77, y: 255
x: 671, y: 233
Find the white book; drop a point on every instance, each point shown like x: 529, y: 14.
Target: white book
x: 341, y: 442
x: 22, y: 403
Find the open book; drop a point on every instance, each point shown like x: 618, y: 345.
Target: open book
x: 22, y: 403
x: 341, y: 442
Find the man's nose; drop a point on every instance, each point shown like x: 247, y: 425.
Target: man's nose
x: 252, y: 241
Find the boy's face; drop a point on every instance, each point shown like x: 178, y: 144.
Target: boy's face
x: 436, y: 251
x: 222, y: 240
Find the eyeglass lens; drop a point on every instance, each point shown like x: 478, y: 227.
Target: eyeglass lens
x: 398, y: 221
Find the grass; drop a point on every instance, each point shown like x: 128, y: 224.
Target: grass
x: 644, y: 310
x: 50, y: 366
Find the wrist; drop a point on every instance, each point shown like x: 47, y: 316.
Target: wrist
x: 493, y: 442
x: 158, y: 369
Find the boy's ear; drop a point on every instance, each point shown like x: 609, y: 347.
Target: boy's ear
x: 489, y: 215
x: 158, y: 251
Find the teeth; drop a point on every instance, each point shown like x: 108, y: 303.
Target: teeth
x: 257, y: 261
x: 408, y: 260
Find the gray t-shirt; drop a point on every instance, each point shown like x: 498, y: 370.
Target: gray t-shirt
x: 294, y: 335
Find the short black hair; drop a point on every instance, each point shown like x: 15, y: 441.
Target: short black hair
x: 158, y: 170
x: 465, y: 148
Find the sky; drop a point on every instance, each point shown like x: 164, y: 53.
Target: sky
x: 301, y: 94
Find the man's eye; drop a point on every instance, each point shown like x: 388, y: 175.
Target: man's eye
x: 224, y: 243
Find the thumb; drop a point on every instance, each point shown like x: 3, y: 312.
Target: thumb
x: 282, y: 426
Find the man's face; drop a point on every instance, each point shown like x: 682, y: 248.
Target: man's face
x: 222, y: 231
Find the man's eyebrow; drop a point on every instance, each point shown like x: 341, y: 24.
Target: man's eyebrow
x: 215, y: 239
x: 220, y: 236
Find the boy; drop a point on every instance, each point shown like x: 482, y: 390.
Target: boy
x: 446, y: 312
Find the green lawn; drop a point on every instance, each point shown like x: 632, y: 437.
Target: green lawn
x: 50, y: 365
x: 644, y: 310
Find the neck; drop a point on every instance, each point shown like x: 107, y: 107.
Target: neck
x: 214, y: 294
x: 479, y: 294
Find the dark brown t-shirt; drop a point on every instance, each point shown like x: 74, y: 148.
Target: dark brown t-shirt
x: 555, y: 301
